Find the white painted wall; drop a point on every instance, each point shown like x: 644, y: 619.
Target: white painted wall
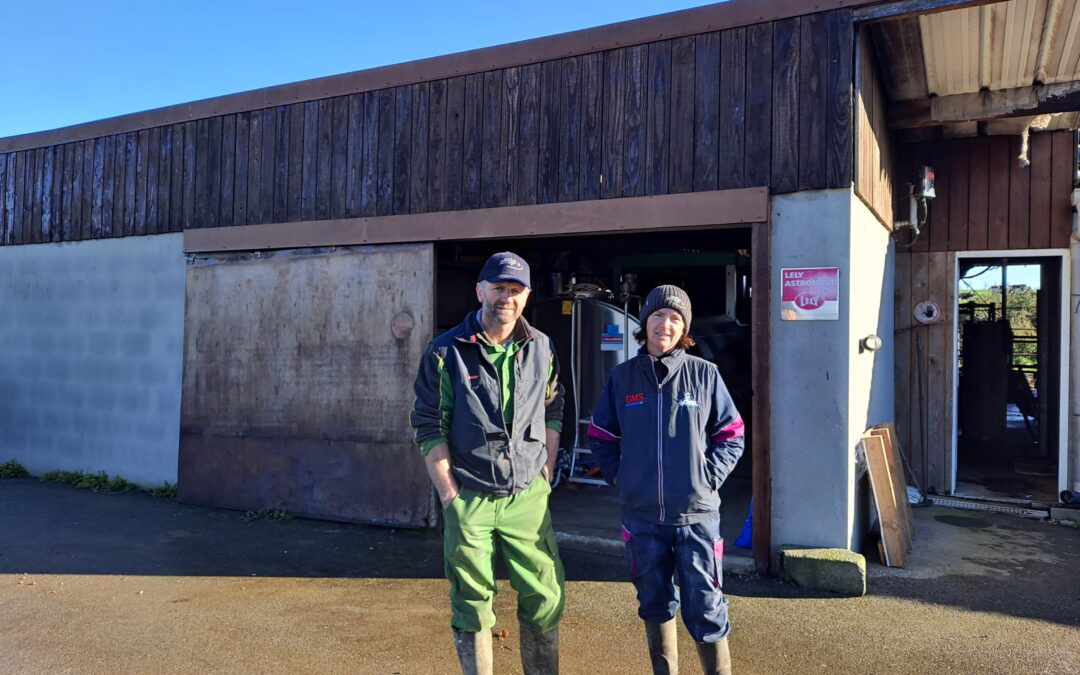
x: 872, y: 298
x: 824, y: 392
x: 91, y: 340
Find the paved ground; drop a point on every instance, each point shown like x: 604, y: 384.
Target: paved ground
x: 125, y: 583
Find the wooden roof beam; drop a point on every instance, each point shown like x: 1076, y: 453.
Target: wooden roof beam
x: 985, y: 105
x: 901, y: 8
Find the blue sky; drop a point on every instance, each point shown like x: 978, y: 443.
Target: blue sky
x: 69, y: 62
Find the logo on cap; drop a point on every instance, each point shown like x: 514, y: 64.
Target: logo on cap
x: 512, y: 263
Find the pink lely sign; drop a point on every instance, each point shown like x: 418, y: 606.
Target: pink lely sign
x: 810, y: 293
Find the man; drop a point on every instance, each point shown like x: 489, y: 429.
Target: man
x: 487, y: 417
x: 667, y: 434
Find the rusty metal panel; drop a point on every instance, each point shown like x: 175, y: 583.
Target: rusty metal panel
x: 298, y: 371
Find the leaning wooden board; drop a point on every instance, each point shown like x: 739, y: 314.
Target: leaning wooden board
x: 893, y: 536
x: 887, y: 432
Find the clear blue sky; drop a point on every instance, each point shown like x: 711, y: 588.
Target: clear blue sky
x: 68, y: 62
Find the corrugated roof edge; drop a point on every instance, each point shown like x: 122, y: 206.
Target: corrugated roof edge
x: 705, y: 19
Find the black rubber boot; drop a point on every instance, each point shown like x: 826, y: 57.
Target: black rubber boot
x: 715, y: 657
x: 539, y: 651
x: 474, y: 651
x: 663, y: 647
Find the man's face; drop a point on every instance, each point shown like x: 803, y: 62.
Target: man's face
x: 502, y: 301
x: 663, y: 329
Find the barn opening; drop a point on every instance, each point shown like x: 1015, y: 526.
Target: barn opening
x: 587, y: 292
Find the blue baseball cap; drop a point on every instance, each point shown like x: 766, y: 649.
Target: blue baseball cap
x: 506, y: 266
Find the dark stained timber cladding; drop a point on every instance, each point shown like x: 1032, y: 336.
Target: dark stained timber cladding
x: 243, y: 129
x: 254, y: 167
x: 202, y: 174
x: 633, y: 179
x: 436, y: 151
x: 840, y: 56
x: 385, y: 165
x: 86, y: 226
x: 998, y: 194
x: 153, y: 165
x: 353, y: 155
x: 813, y: 102
x: 978, y: 196
x: 188, y: 217
x: 473, y: 138
x: 295, y: 189
x: 118, y: 182
x: 491, y: 193
x: 47, y: 182
x: 324, y: 160
x: 614, y: 138
x: 759, y: 93
x: 98, y: 192
x: 339, y: 177
x: 214, y: 169
x: 57, y: 226
x: 419, y: 141
x: 267, y: 164
x: 1019, y: 196
x: 785, y: 105
x: 108, y: 187
x: 569, y: 126
x: 592, y: 115
x: 551, y: 109
x: 176, y: 179
x: 706, y: 111
x: 142, y: 145
x: 369, y: 179
x: 403, y: 111
x: 681, y: 154
x: 19, y: 198
x: 508, y: 135
x: 528, y: 164
x: 4, y: 229
x: 282, y: 145
x: 1063, y: 147
x: 38, y: 189
x: 657, y: 106
x: 228, y: 170
x: 77, y: 186
x: 311, y: 154
x: 455, y: 142
x: 731, y: 170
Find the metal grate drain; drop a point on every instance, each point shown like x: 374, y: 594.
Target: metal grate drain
x: 987, y: 506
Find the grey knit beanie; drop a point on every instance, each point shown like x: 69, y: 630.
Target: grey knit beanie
x: 668, y: 296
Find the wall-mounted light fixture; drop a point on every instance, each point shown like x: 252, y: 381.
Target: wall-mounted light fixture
x: 919, y: 194
x: 870, y: 343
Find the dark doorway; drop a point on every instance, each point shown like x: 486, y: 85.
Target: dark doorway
x: 1008, y: 398
x: 572, y: 277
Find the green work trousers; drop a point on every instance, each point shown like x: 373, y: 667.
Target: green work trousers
x: 520, y: 525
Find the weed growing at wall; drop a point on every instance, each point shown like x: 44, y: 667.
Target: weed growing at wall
x: 268, y: 514
x: 165, y: 490
x: 99, y: 481
x: 13, y: 469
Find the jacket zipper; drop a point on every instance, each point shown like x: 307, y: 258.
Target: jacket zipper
x: 659, y: 440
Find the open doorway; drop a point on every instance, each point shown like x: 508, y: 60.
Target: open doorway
x: 1009, y: 339
x: 586, y: 295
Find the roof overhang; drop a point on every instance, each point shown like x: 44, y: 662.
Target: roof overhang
x: 978, y: 68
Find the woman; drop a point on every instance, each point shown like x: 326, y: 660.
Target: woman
x: 667, y: 434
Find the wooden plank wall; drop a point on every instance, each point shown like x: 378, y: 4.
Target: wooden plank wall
x: 986, y: 201
x: 873, y: 142
x: 761, y: 105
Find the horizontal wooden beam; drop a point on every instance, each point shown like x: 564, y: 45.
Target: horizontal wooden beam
x: 637, y: 31
x: 634, y: 214
x: 893, y: 10
x: 985, y: 105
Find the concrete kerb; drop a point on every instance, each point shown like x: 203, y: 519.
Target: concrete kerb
x: 826, y: 569
x: 733, y: 564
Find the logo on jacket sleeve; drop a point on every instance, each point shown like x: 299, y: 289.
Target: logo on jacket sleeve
x: 635, y: 399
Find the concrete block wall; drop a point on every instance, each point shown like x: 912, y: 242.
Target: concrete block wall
x: 824, y: 391
x: 91, y: 351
